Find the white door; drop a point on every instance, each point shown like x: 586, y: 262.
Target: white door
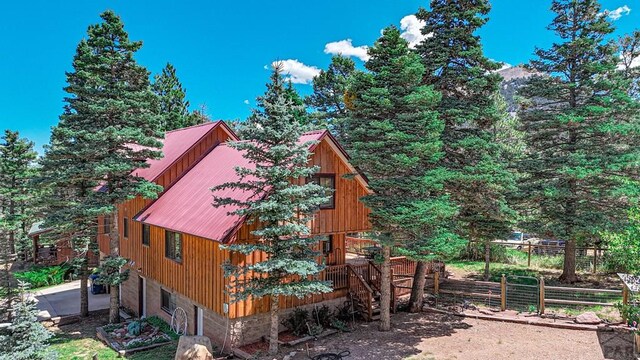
x: 143, y: 300
x: 199, y: 326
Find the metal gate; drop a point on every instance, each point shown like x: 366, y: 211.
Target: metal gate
x: 522, y: 293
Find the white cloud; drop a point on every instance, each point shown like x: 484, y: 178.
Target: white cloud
x: 412, y: 30
x: 617, y: 13
x: 298, y: 72
x: 246, y: 102
x: 346, y: 48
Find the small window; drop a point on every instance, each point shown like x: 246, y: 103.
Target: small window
x: 328, y: 181
x: 326, y: 244
x: 106, y: 225
x: 125, y: 227
x: 173, y: 245
x: 146, y: 234
x: 168, y: 301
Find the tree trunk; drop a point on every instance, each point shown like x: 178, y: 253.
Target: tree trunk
x: 275, y: 325
x: 84, y: 290
x: 12, y: 243
x: 385, y: 290
x: 487, y: 259
x: 114, y: 250
x: 569, y: 269
x: 417, y: 290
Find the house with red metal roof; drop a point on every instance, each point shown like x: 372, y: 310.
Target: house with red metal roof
x: 175, y: 243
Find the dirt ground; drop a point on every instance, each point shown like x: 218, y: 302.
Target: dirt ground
x: 430, y: 336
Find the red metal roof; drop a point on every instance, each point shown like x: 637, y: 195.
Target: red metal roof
x: 175, y: 144
x: 187, y: 205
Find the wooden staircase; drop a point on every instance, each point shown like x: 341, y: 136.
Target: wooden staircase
x: 364, y: 281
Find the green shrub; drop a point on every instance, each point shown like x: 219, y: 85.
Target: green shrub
x: 475, y: 251
x: 296, y: 322
x: 40, y: 276
x: 631, y: 313
x: 163, y: 326
x: 322, y: 316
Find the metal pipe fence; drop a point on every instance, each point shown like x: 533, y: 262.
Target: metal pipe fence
x: 588, y: 259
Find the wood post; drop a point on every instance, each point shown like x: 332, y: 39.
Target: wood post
x: 503, y: 293
x: 595, y: 260
x: 436, y: 283
x: 625, y: 299
x: 529, y: 256
x: 541, y: 306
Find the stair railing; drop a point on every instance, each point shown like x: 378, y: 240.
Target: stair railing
x: 361, y: 291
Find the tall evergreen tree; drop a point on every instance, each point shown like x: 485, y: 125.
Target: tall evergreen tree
x: 328, y: 98
x: 279, y: 161
x: 456, y: 66
x: 173, y: 106
x: 394, y: 132
x: 582, y: 128
x: 110, y: 128
x: 67, y: 181
x: 17, y: 170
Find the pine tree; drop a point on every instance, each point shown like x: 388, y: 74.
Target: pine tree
x: 582, y: 128
x: 110, y: 127
x: 272, y: 145
x: 25, y: 338
x: 67, y: 182
x: 17, y: 170
x: 328, y: 98
x: 456, y: 66
x: 174, y: 108
x: 395, y: 132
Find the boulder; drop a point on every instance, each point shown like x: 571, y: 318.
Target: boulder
x: 194, y: 348
x: 588, y: 318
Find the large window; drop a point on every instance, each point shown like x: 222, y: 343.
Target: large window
x: 168, y: 301
x: 328, y: 181
x: 125, y: 227
x: 146, y: 234
x: 173, y: 245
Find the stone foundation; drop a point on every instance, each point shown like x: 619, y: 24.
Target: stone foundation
x: 241, y: 331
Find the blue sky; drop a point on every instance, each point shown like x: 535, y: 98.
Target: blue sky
x: 221, y: 48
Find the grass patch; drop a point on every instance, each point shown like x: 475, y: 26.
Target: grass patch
x: 78, y: 347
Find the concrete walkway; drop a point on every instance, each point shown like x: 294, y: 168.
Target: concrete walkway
x: 64, y: 300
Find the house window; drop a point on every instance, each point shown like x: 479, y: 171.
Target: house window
x: 168, y: 301
x: 327, y: 181
x: 173, y: 245
x: 326, y: 244
x: 106, y: 225
x: 146, y: 234
x: 125, y: 227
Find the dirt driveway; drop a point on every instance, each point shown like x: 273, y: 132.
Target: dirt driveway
x: 430, y: 336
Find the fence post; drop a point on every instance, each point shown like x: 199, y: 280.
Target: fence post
x: 529, y: 256
x: 541, y: 306
x: 436, y: 283
x: 595, y: 260
x: 503, y: 293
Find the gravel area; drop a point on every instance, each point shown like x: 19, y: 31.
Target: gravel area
x: 443, y: 337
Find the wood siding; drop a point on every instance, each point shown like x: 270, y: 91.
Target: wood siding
x: 199, y: 275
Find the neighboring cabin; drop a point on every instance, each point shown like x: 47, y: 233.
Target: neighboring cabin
x: 173, y: 242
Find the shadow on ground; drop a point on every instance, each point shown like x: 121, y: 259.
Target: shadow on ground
x: 616, y: 345
x: 402, y: 342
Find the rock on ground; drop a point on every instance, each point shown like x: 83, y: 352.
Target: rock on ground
x: 589, y: 318
x: 194, y: 348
